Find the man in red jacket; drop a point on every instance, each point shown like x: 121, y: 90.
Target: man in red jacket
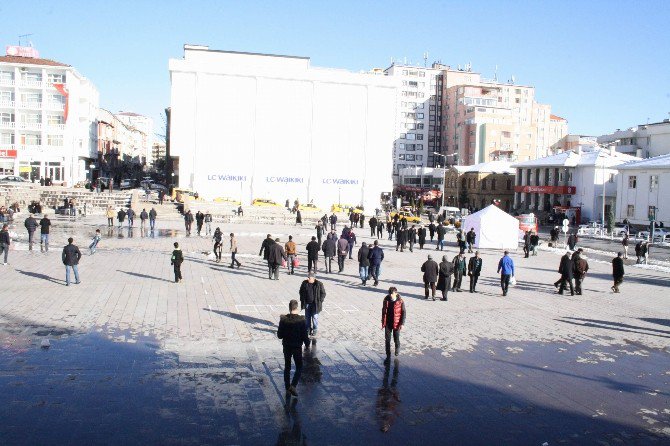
x: 393, y: 319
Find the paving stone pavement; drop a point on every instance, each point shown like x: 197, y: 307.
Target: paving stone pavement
x: 134, y: 358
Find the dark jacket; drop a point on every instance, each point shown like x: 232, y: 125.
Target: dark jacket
x: 333, y: 219
x: 411, y: 235
x: 265, y: 248
x: 446, y: 269
x: 276, y: 254
x: 44, y: 225
x: 398, y: 312
x: 329, y: 248
x: 430, y: 271
x: 363, y: 253
x: 144, y: 215
x: 534, y: 240
x: 566, y: 267
x: 152, y: 214
x: 121, y: 215
x: 177, y: 257
x: 475, y: 266
x: 313, y: 250
x: 292, y: 330
x: 319, y: 294
x: 470, y: 236
x: 376, y: 256
x: 459, y: 264
x: 581, y: 267
x: 373, y: 222
x: 343, y: 246
x: 617, y: 267
x: 441, y: 230
x: 30, y: 224
x: 71, y: 255
x: 4, y: 238
x: 422, y: 234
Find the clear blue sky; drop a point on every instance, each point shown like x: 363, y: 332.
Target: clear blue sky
x: 600, y: 64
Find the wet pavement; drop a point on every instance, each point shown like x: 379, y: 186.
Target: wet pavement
x: 128, y: 357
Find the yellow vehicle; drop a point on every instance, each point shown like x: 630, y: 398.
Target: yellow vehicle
x: 408, y: 215
x: 179, y: 195
x: 228, y: 200
x: 345, y: 208
x: 310, y: 207
x: 262, y: 202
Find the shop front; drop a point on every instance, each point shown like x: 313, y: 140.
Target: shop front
x: 7, y: 161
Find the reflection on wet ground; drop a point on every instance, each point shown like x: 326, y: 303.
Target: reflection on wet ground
x: 92, y: 389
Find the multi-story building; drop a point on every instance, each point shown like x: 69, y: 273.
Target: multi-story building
x: 479, y: 185
x: 250, y: 126
x: 572, y: 142
x: 158, y: 151
x: 580, y: 180
x: 484, y: 120
x: 644, y: 140
x: 641, y: 188
x: 416, y: 116
x: 118, y: 142
x: 145, y: 125
x: 47, y: 118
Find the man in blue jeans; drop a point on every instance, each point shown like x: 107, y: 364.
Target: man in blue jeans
x: 312, y: 294
x: 71, y: 256
x: 376, y: 256
x: 506, y: 270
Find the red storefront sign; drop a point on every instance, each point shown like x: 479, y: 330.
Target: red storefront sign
x: 558, y: 190
x: 9, y: 153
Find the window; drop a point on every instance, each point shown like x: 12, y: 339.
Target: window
x: 56, y: 78
x: 419, y: 115
x: 493, y: 184
x: 419, y: 136
x: 57, y: 98
x: 632, y: 182
x: 409, y: 157
x: 419, y: 147
x: 31, y: 118
x: 653, y: 182
x: 403, y: 135
x: 7, y: 138
x: 401, y: 146
x: 506, y: 134
x: 509, y: 184
x: 6, y: 96
x: 6, y: 76
x: 6, y: 117
x: 419, y: 126
x: 419, y: 157
x: 401, y: 157
x: 484, y: 184
x: 31, y: 139
x: 611, y: 179
x: 410, y: 147
x: 55, y: 140
x: 31, y: 97
x: 422, y: 74
x: 411, y: 136
x: 630, y: 211
x: 31, y: 76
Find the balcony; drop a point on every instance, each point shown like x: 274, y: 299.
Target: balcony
x: 31, y: 105
x: 55, y: 106
x: 56, y: 126
x: 31, y: 84
x: 6, y: 104
x: 7, y: 125
x: 30, y: 125
x: 7, y: 82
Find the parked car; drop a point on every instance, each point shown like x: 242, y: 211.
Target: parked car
x: 127, y: 184
x: 227, y: 200
x: 620, y: 229
x: 408, y: 215
x: 262, y: 202
x: 345, y: 208
x: 13, y: 179
x: 310, y: 207
x: 660, y: 235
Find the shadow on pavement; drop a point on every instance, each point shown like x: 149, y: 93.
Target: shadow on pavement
x: 41, y: 276
x: 145, y: 276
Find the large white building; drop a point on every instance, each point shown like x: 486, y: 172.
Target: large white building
x: 644, y: 141
x: 643, y: 188
x: 251, y: 126
x: 145, y: 125
x: 47, y: 118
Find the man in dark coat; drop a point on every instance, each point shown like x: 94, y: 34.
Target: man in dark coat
x: 431, y: 229
x: 276, y: 256
x: 199, y: 220
x: 293, y: 333
x: 333, y: 221
x: 441, y: 231
x: 31, y: 224
x: 474, y: 270
x: 45, y: 225
x: 380, y: 229
x: 411, y: 238
x: 376, y: 257
x: 70, y: 257
x: 393, y: 319
x: 188, y: 222
x: 329, y: 248
x: 572, y: 241
x: 401, y: 239
x: 421, y: 233
x: 566, y: 269
x: 470, y: 239
x: 312, y: 254
x: 312, y: 294
x: 342, y: 252
x: 5, y: 242
x: 526, y: 244
x: 617, y: 272
x: 534, y: 242
x: 373, y: 226
x: 460, y: 269
x: 446, y: 269
x: 319, y: 232
x: 264, y: 247
x: 430, y: 273
x: 121, y: 216
x: 553, y: 234
x: 176, y: 260
x: 364, y: 263
x: 581, y: 266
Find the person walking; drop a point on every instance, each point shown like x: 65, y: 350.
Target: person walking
x: 441, y: 231
x: 506, y: 270
x: 617, y: 272
x: 176, y: 260
x: 376, y: 256
x: 31, y: 224
x: 342, y: 251
x: 233, y: 251
x: 144, y: 216
x: 373, y: 225
x: 152, y: 218
x: 293, y: 333
x: 566, y: 270
x: 351, y: 239
x: 534, y: 242
x: 393, y: 319
x: 474, y: 270
x: 644, y: 252
x: 431, y: 230
x: 188, y: 221
x: 460, y: 269
x: 364, y: 263
x: 581, y: 266
x: 422, y: 236
x: 400, y: 239
x: 319, y: 231
x: 298, y: 217
x: 624, y: 243
x: 110, y: 216
x: 411, y: 238
x: 312, y: 294
x: 329, y: 248
x: 638, y: 252
x: 470, y: 238
x: 361, y: 221
x: 526, y: 244
x: 276, y: 257
x: 291, y: 254
x: 208, y: 223
x: 380, y: 229
x: 218, y: 244
x: 94, y: 242
x: 333, y: 221
x: 390, y: 228
x: 70, y: 257
x: 131, y: 217
x: 430, y: 275
x: 312, y: 254
x: 45, y: 225
x: 572, y: 241
x: 446, y: 269
x: 5, y: 242
x: 199, y: 220
x: 553, y: 235
x: 121, y: 217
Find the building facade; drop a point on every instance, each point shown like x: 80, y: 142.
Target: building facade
x: 479, y: 185
x: 119, y: 144
x: 582, y: 179
x: 643, y: 188
x: 252, y: 126
x: 48, y: 123
x: 643, y: 141
x: 145, y: 125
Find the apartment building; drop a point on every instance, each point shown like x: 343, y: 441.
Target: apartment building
x: 118, y: 142
x: 145, y: 125
x: 47, y: 118
x: 643, y: 188
x: 644, y: 140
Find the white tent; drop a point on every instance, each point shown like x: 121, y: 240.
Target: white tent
x: 494, y: 227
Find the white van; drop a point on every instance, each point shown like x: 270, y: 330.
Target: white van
x: 450, y: 212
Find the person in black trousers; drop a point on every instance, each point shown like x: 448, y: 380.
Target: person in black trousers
x: 422, y: 236
x: 312, y: 254
x: 474, y: 270
x: 566, y: 269
x: 293, y: 333
x: 176, y: 260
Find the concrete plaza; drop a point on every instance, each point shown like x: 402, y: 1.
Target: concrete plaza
x: 134, y: 358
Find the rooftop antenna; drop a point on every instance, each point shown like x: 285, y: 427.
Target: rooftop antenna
x: 425, y: 59
x: 25, y: 37
x: 495, y: 74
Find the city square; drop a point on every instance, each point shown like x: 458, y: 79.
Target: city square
x: 134, y: 358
